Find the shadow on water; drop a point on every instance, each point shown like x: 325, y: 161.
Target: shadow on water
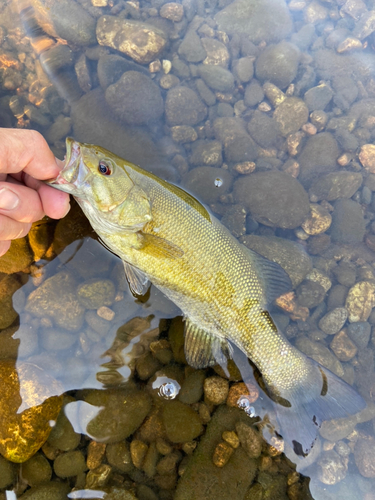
x: 263, y: 110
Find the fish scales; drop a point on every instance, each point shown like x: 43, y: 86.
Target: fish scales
x: 166, y: 236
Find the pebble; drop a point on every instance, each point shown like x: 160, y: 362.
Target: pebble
x: 332, y: 470
x: 364, y: 456
x: 56, y: 298
x: 250, y: 439
x: 318, y: 98
x: 172, y: 11
x: 222, y: 454
x: 216, y: 77
x: 62, y: 436
x: 118, y: 455
x: 360, y: 333
x: 54, y: 489
x: 263, y: 129
x: 138, y: 450
x: 135, y: 99
x: 267, y: 20
x: 318, y: 221
x: 141, y: 41
x: 69, y: 464
x: 191, y: 48
x: 183, y: 134
x: 206, y: 152
x: 181, y: 422
x: 310, y: 294
x: 105, y: 313
x: 184, y: 107
x: 320, y: 354
x: 217, y: 52
x: 192, y: 388
x: 333, y: 321
x: 343, y: 347
x: 17, y: 258
x: 348, y: 224
x: 253, y: 94
x: 367, y: 157
x: 360, y: 301
x: 278, y: 64
x: 273, y: 198
x: 345, y: 273
x: 290, y: 115
x: 98, y: 478
x: 243, y: 69
x: 215, y: 390
x: 122, y: 412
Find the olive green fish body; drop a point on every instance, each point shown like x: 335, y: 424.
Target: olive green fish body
x: 166, y: 236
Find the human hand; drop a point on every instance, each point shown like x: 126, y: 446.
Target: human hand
x: 25, y: 160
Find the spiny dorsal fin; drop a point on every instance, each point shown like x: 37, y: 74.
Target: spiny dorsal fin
x: 138, y: 282
x: 203, y: 349
x: 159, y: 247
x: 276, y: 280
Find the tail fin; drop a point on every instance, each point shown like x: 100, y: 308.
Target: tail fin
x: 323, y: 396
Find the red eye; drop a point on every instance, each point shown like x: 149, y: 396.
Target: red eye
x: 104, y: 168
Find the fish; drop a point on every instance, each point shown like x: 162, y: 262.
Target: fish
x: 166, y: 237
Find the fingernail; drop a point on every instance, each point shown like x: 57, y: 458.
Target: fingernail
x: 8, y: 199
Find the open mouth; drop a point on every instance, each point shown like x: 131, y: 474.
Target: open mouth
x: 68, y: 178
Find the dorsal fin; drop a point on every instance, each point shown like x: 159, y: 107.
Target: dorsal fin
x: 276, y: 280
x: 204, y: 349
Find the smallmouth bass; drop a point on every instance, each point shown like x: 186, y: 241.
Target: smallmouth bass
x: 166, y: 237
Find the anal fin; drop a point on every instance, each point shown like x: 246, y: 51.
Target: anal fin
x: 203, y: 349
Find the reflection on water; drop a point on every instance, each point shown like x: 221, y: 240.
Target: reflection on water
x: 266, y: 112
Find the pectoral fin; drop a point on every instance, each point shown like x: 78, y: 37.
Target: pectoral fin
x: 203, y: 349
x: 159, y: 247
x: 138, y: 282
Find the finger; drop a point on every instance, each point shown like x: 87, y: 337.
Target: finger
x: 26, y: 150
x: 11, y: 229
x: 4, y: 247
x: 20, y: 203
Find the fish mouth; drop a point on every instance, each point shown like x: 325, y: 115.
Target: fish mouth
x: 74, y: 172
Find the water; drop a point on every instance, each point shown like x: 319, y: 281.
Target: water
x: 250, y: 119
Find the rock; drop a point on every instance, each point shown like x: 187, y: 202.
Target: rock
x: 333, y: 321
x: 191, y: 48
x: 343, y: 347
x: 345, y: 273
x: 360, y: 333
x: 53, y: 339
x: 278, y: 64
x: 63, y: 436
x: 215, y: 390
x: 360, y: 301
x: 205, y: 152
x: 364, y: 456
x: 274, y: 198
x: 7, y: 473
x: 111, y: 67
x: 250, y: 439
x: 332, y: 470
x: 40, y: 236
x: 30, y: 400
x: 259, y: 20
x: 318, y: 221
x: 192, y: 388
x: 8, y: 286
x: 172, y: 11
x: 56, y: 298
x: 289, y: 254
x: 290, y: 115
x: 71, y: 22
x: 336, y: 185
x: 183, y: 134
x: 348, y: 224
x: 206, y: 94
x: 263, y: 129
x: 367, y: 157
x: 320, y: 354
x: 208, y: 183
x: 243, y: 69
x: 121, y: 413
x: 310, y: 294
x: 17, y: 258
x: 95, y: 293
x: 216, y: 77
x: 93, y: 123
x: 184, y: 107
x: 317, y: 98
x: 217, y: 53
x: 339, y: 428
x: 52, y: 490
x: 135, y: 99
x: 70, y: 464
x: 230, y: 481
x: 253, y: 94
x: 28, y: 336
x: 317, y: 157
x: 118, y: 455
x: 222, y: 454
x: 238, y: 145
x: 138, y: 40
x: 181, y: 422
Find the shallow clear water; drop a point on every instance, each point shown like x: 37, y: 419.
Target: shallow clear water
x: 265, y: 112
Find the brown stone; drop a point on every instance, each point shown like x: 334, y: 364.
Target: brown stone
x: 343, y: 347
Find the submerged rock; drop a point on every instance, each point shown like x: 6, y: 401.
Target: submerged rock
x: 17, y: 258
x: 336, y: 185
x: 135, y: 99
x: 274, y: 198
x: 184, y: 107
x: 29, y: 401
x: 348, y: 224
x: 278, y: 64
x: 258, y: 19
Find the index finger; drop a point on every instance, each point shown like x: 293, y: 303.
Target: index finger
x: 28, y: 151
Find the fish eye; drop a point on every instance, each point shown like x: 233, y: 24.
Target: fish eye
x: 104, y: 168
